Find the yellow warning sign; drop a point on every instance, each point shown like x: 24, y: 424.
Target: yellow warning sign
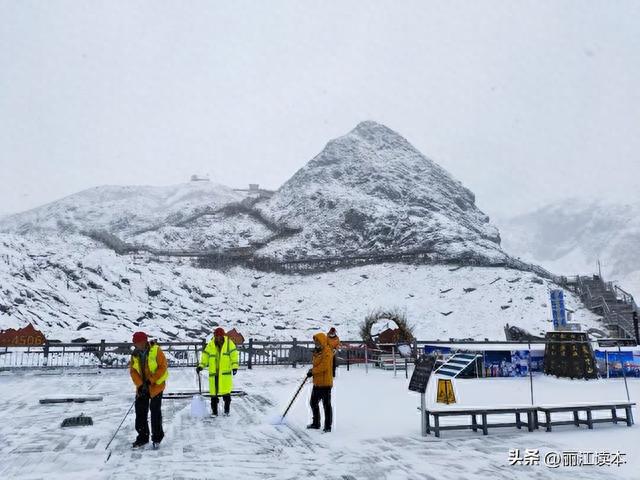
x: 445, y: 391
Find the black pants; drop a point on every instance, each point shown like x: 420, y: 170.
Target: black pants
x: 324, y: 394
x: 143, y: 405
x: 214, y: 403
x: 335, y: 364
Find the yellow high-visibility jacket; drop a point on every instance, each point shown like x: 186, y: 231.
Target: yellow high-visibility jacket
x: 155, y: 370
x: 322, y: 362
x: 221, y: 363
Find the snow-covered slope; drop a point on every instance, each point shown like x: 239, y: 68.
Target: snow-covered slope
x: 207, y: 232
x: 121, y: 209
x: 372, y: 191
x: 571, y: 236
x: 72, y: 288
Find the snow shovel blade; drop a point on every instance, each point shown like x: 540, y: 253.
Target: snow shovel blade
x: 79, y: 421
x: 198, y: 406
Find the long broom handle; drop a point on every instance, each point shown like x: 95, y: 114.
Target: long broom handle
x: 199, y: 383
x: 118, y: 429
x: 295, y: 396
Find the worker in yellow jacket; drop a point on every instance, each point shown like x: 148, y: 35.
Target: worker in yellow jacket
x: 148, y: 370
x: 322, y: 373
x: 220, y: 356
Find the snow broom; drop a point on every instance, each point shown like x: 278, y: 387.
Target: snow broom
x: 281, y: 419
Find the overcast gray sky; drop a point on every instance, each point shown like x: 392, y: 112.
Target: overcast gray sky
x: 524, y: 102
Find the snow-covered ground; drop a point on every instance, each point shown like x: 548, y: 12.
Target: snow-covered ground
x: 376, y: 431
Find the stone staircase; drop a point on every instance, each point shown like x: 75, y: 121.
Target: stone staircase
x: 604, y: 298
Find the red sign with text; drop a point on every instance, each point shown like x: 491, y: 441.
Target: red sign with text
x: 27, y: 336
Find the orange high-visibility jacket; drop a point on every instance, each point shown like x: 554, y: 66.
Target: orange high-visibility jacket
x: 155, y: 370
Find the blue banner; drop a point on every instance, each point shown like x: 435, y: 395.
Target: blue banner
x: 558, y: 311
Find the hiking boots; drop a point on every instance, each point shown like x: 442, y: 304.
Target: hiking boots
x: 312, y: 426
x: 140, y: 442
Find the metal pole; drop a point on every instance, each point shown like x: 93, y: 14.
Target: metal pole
x: 393, y: 351
x: 626, y: 386
x: 406, y: 368
x: 530, y: 373
x: 294, y: 344
x: 249, y: 362
x: 348, y: 359
x: 484, y: 364
x: 118, y: 429
x: 294, y: 398
x: 422, y: 419
x: 366, y: 359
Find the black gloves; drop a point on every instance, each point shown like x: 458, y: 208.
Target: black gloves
x: 310, y: 373
x: 198, y: 369
x: 235, y: 370
x: 143, y: 389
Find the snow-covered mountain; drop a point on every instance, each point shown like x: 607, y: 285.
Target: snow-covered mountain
x: 121, y: 210
x: 372, y: 191
x: 72, y: 288
x: 369, y: 192
x: 571, y: 236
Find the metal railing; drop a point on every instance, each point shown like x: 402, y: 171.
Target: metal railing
x: 251, y: 354
x: 611, y: 318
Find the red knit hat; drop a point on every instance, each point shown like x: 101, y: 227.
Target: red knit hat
x: 218, y: 332
x: 139, y: 337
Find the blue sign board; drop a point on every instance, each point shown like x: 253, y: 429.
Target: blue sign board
x: 558, y: 311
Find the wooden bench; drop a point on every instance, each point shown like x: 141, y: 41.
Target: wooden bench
x: 588, y: 408
x: 473, y: 413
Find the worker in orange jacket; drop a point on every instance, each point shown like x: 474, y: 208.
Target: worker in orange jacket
x: 322, y: 382
x: 334, y: 344
x: 148, y: 370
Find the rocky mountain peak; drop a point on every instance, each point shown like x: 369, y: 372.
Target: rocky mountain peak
x: 371, y: 190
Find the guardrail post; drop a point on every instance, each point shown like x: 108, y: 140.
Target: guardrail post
x: 101, y: 351
x: 45, y: 351
x: 249, y: 361
x: 348, y: 350
x: 366, y: 359
x: 393, y: 351
x: 293, y: 357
